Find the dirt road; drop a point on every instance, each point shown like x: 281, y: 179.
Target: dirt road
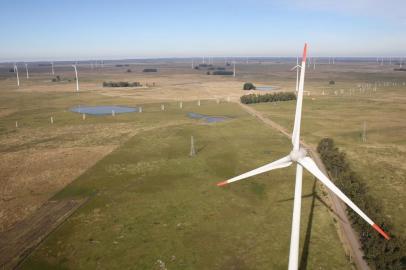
x: 347, y: 234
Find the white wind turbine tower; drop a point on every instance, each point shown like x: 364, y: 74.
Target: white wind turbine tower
x: 52, y: 68
x: 77, y: 79
x: 26, y: 69
x: 16, y: 72
x: 234, y: 69
x: 299, y: 156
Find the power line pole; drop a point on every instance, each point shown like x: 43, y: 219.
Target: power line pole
x: 192, y: 147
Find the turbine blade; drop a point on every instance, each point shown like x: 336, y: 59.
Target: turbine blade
x: 295, y: 67
x: 298, y: 114
x: 311, y: 166
x: 280, y: 163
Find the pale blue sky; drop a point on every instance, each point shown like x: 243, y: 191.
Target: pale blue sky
x: 74, y: 30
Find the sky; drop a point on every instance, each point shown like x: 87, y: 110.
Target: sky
x: 90, y: 29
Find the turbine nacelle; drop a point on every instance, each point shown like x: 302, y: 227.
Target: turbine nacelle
x: 296, y: 155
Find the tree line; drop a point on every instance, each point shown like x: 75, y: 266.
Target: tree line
x: 257, y: 98
x: 121, y: 84
x: 379, y: 253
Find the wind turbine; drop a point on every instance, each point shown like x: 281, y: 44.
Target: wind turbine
x: 234, y: 69
x: 26, y: 69
x: 16, y: 71
x: 297, y: 73
x: 53, y: 71
x: 77, y: 79
x: 300, y: 157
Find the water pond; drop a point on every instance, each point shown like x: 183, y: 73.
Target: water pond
x: 103, y: 110
x: 207, y: 118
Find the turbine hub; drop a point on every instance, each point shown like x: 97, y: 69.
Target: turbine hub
x: 295, y: 155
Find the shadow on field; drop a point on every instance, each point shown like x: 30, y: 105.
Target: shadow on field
x: 306, y: 243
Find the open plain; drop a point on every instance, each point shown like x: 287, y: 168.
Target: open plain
x: 148, y: 205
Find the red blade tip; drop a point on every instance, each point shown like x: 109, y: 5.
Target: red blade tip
x: 378, y: 229
x: 220, y: 184
x: 304, y: 53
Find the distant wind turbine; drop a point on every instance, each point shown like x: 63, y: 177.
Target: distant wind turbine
x: 52, y: 68
x: 77, y: 79
x: 26, y: 69
x: 16, y: 72
x: 297, y: 67
x: 300, y: 157
x: 234, y: 69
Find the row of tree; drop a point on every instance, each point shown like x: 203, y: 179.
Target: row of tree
x: 220, y: 72
x: 274, y: 97
x: 121, y: 84
x: 379, y: 252
x: 150, y: 70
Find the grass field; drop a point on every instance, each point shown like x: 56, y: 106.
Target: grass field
x: 151, y: 204
x: 151, y: 201
x: 380, y: 159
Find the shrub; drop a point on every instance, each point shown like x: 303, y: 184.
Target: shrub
x: 56, y: 79
x: 150, y: 70
x: 129, y: 70
x: 249, y: 86
x: 332, y: 82
x: 255, y: 98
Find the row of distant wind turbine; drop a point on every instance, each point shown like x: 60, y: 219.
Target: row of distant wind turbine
x: 300, y: 157
x: 52, y: 70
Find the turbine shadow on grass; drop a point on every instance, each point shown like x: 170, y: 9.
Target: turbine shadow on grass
x: 306, y: 243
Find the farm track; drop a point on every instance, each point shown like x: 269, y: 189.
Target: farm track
x: 346, y: 232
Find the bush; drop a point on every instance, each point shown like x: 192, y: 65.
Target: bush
x: 255, y: 98
x: 150, y: 70
x: 56, y: 79
x: 248, y: 86
x: 331, y: 82
x: 121, y: 84
x: 378, y: 252
x: 129, y: 70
